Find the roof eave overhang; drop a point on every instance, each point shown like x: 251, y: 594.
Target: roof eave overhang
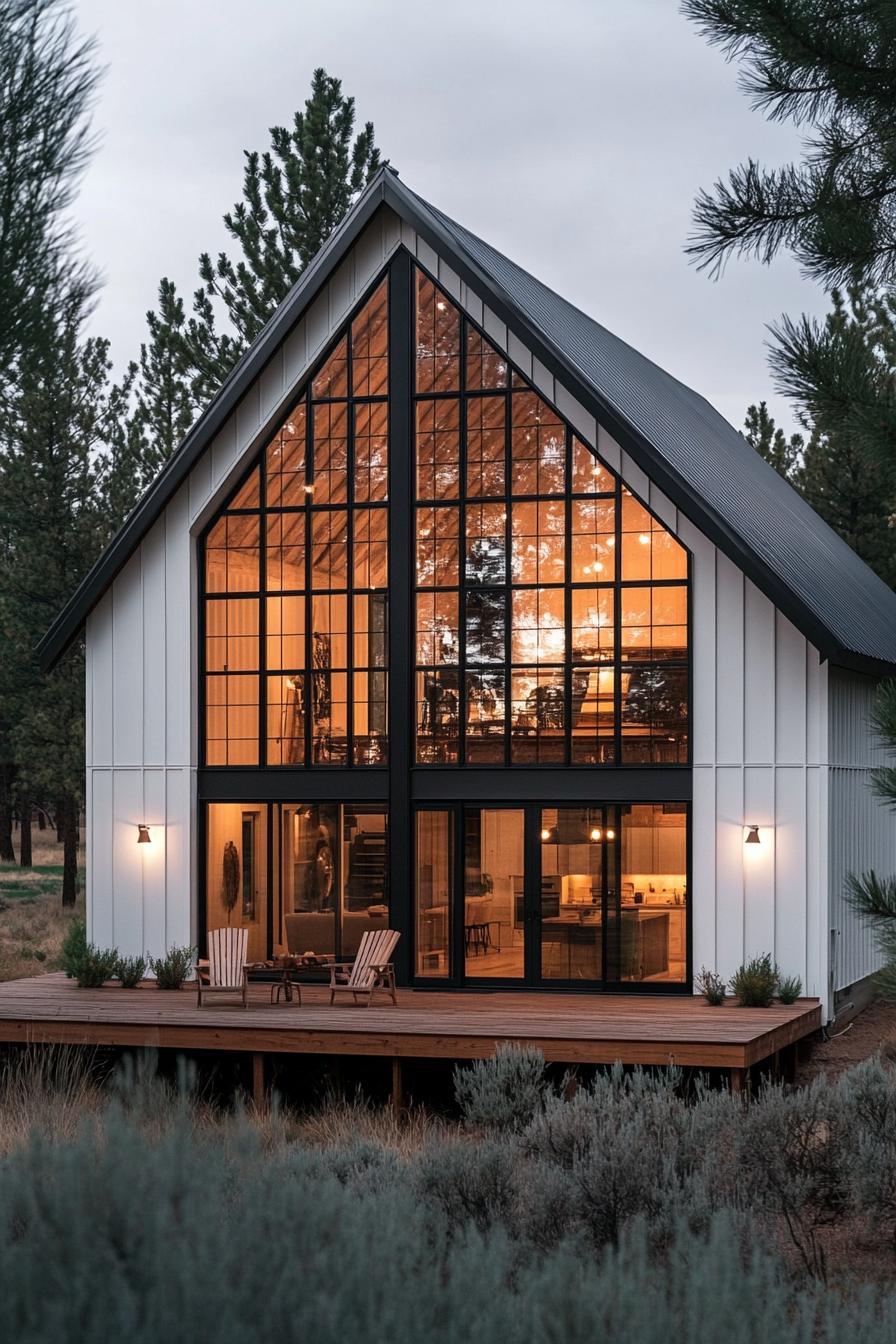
x: 387, y: 189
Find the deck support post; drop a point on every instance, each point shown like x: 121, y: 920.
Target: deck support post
x: 396, y: 1100
x: 258, y: 1093
x: 789, y: 1062
x: 738, y: 1079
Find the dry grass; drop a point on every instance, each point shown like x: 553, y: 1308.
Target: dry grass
x: 49, y: 1091
x: 54, y: 1091
x: 340, y: 1122
x: 33, y: 922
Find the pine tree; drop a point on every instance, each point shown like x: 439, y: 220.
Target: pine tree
x: 826, y: 67
x: 52, y: 524
x: 842, y: 376
x: 874, y: 897
x: 47, y: 80
x: 164, y: 410
x: 771, y: 443
x: 294, y: 196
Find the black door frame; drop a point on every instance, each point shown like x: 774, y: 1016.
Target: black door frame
x: 532, y: 978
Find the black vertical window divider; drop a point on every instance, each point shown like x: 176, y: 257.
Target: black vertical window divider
x: 401, y: 609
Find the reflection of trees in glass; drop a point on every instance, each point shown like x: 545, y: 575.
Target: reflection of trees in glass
x: 486, y: 560
x: 439, y: 702
x: 543, y: 591
x: 486, y: 626
x: 657, y: 695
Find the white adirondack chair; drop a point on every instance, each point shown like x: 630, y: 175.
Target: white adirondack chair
x: 371, y: 969
x: 225, y: 972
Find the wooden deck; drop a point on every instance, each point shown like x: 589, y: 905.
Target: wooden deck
x: 568, y: 1028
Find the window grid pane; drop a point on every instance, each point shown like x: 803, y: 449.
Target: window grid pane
x: 552, y: 607
x: 301, y: 677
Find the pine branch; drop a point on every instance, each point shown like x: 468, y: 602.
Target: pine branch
x: 872, y: 897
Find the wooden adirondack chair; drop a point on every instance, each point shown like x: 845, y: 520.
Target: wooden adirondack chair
x: 371, y: 969
x: 226, y: 969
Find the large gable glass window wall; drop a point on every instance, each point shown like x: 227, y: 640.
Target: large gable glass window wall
x: 546, y: 615
x: 552, y: 619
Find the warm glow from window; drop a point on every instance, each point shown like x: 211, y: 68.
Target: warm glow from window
x: 552, y: 605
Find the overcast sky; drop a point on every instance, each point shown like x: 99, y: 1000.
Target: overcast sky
x: 572, y: 135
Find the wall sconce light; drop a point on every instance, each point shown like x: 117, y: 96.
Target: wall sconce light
x: 596, y: 833
x: 611, y: 835
x: 752, y: 836
x: 143, y: 834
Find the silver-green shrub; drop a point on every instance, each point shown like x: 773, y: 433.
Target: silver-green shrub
x: 502, y: 1093
x: 119, y: 1236
x: 794, y: 1152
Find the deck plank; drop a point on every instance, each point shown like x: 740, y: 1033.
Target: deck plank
x: 569, y: 1028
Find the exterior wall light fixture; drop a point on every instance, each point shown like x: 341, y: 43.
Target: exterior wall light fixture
x: 752, y: 836
x: 143, y: 834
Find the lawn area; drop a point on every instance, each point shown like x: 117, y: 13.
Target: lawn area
x: 32, y: 920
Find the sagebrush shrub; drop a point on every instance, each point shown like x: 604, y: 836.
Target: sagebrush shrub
x: 473, y: 1184
x: 711, y: 986
x: 866, y: 1095
x: 129, y: 971
x: 794, y: 1156
x: 790, y: 987
x: 504, y: 1092
x: 173, y: 970
x: 119, y: 1234
x: 754, y: 983
x: 74, y: 947
x: 95, y: 966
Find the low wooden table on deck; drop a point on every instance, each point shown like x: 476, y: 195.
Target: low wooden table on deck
x: 285, y: 965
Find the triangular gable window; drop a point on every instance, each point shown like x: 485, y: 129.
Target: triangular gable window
x: 551, y: 605
x: 296, y: 624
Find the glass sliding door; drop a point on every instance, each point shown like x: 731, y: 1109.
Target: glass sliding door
x: 577, y: 851
x: 364, y: 903
x: 334, y: 876
x: 309, y: 856
x: 648, y: 918
x: 433, y: 893
x: 237, y: 886
x: 549, y: 896
x: 494, y: 893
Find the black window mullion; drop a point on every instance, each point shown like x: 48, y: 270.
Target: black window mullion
x: 263, y: 612
x: 617, y: 626
x: 462, y: 550
x: 309, y: 573
x: 350, y: 568
x: 567, y: 607
x: 508, y: 567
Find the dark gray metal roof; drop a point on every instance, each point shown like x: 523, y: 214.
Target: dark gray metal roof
x: 692, y: 453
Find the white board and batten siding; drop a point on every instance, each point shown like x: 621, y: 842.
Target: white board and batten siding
x: 142, y: 705
x: 760, y: 715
